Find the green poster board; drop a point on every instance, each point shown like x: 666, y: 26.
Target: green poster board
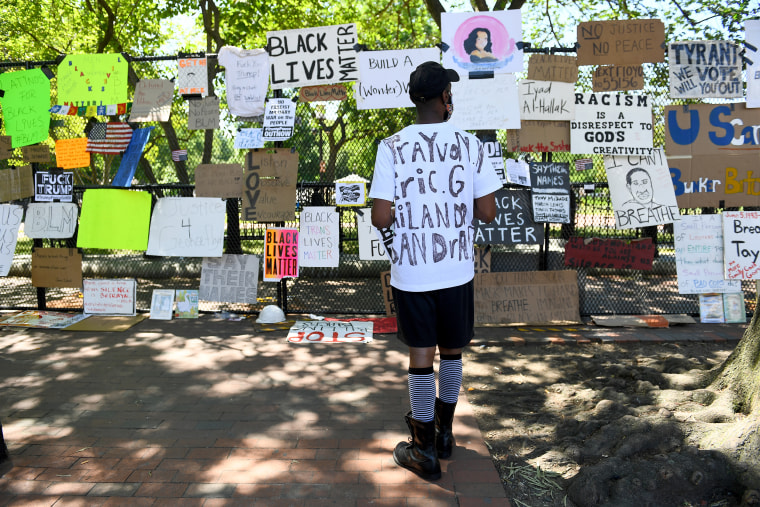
x: 26, y: 104
x: 114, y: 219
x: 93, y: 80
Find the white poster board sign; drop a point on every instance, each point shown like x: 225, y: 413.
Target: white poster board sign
x: 752, y: 37
x: 495, y: 157
x: 312, y: 56
x: 230, y: 278
x: 482, y: 42
x: 55, y: 220
x: 187, y: 227
x: 611, y: 124
x: 330, y: 331
x: 11, y: 216
x: 486, y: 104
x: 162, y: 304
x: 699, y: 255
x: 641, y: 190
x: 249, y: 138
x: 279, y: 119
x: 384, y: 76
x: 518, y: 172
x: 109, y: 296
x: 192, y: 76
x: 371, y: 248
x: 705, y: 68
x: 741, y: 245
x: 318, y: 237
x: 546, y: 100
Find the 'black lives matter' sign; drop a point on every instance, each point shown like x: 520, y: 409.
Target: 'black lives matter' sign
x: 513, y: 223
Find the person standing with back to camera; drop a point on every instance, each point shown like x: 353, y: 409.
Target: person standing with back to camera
x: 430, y: 180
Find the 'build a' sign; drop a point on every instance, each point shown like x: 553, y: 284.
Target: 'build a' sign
x: 713, y: 153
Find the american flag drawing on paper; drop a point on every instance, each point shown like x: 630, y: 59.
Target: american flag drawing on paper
x: 112, y: 137
x: 179, y: 155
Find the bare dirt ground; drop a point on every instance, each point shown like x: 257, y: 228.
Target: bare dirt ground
x: 612, y: 425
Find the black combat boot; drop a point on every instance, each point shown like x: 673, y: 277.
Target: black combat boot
x: 444, y: 419
x: 419, y: 455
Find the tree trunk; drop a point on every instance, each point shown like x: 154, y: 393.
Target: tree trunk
x: 740, y: 373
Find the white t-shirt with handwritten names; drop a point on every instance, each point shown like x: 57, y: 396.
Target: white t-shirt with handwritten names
x: 432, y: 173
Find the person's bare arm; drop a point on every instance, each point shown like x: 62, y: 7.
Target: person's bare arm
x: 382, y: 213
x: 485, y: 208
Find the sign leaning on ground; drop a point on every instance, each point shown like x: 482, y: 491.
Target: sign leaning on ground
x: 230, y: 278
x: 312, y: 56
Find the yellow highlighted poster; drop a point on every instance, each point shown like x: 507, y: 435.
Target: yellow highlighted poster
x: 92, y: 80
x: 114, y: 219
x: 25, y: 101
x: 281, y: 256
x: 72, y: 153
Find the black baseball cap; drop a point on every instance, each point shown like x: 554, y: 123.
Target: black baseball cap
x: 429, y: 80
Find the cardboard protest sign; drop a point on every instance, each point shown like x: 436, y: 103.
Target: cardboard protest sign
x: 92, y: 79
x: 384, y: 76
x: 25, y: 101
x: 330, y: 331
x: 6, y: 147
x: 152, y: 101
x: 752, y: 39
x: 55, y: 220
x: 219, y: 180
x: 192, y: 76
x: 114, y: 219
x: 700, y: 69
x: 621, y: 42
x: 390, y: 303
x: 203, y: 114
x: 536, y: 136
x: 546, y: 100
x: 269, y: 185
x: 713, y: 151
x: 562, y: 68
x: 527, y: 298
x: 513, y: 223
x: 281, y: 254
x: 249, y: 138
x: 319, y: 237
x: 609, y: 253
x: 230, y: 278
x: 486, y: 104
x: 312, y: 56
x: 495, y: 157
x: 322, y: 93
x: 550, y: 183
x: 16, y: 183
x: 109, y: 296
x: 246, y: 79
x: 131, y: 157
x: 482, y: 42
x: 279, y: 119
x: 741, y: 245
x: 641, y: 190
x: 699, y: 255
x: 36, y: 153
x: 56, y: 267
x: 371, y: 248
x: 187, y: 227
x: 72, y: 153
x: 53, y: 186
x: 11, y: 216
x: 607, y: 78
x: 611, y: 124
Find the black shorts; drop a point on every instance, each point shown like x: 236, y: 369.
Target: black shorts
x: 443, y: 317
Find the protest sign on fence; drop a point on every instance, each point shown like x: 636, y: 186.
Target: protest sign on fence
x: 699, y: 255
x: 705, y: 69
x: 230, y: 278
x: 513, y: 223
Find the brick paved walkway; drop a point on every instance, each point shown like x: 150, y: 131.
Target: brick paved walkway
x: 210, y: 412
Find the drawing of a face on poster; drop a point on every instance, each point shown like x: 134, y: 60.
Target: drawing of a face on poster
x: 641, y: 190
x: 482, y: 42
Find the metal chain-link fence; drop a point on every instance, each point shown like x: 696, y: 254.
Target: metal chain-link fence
x: 334, y: 140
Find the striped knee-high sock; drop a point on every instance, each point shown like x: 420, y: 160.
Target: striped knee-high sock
x: 422, y: 393
x: 450, y: 377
